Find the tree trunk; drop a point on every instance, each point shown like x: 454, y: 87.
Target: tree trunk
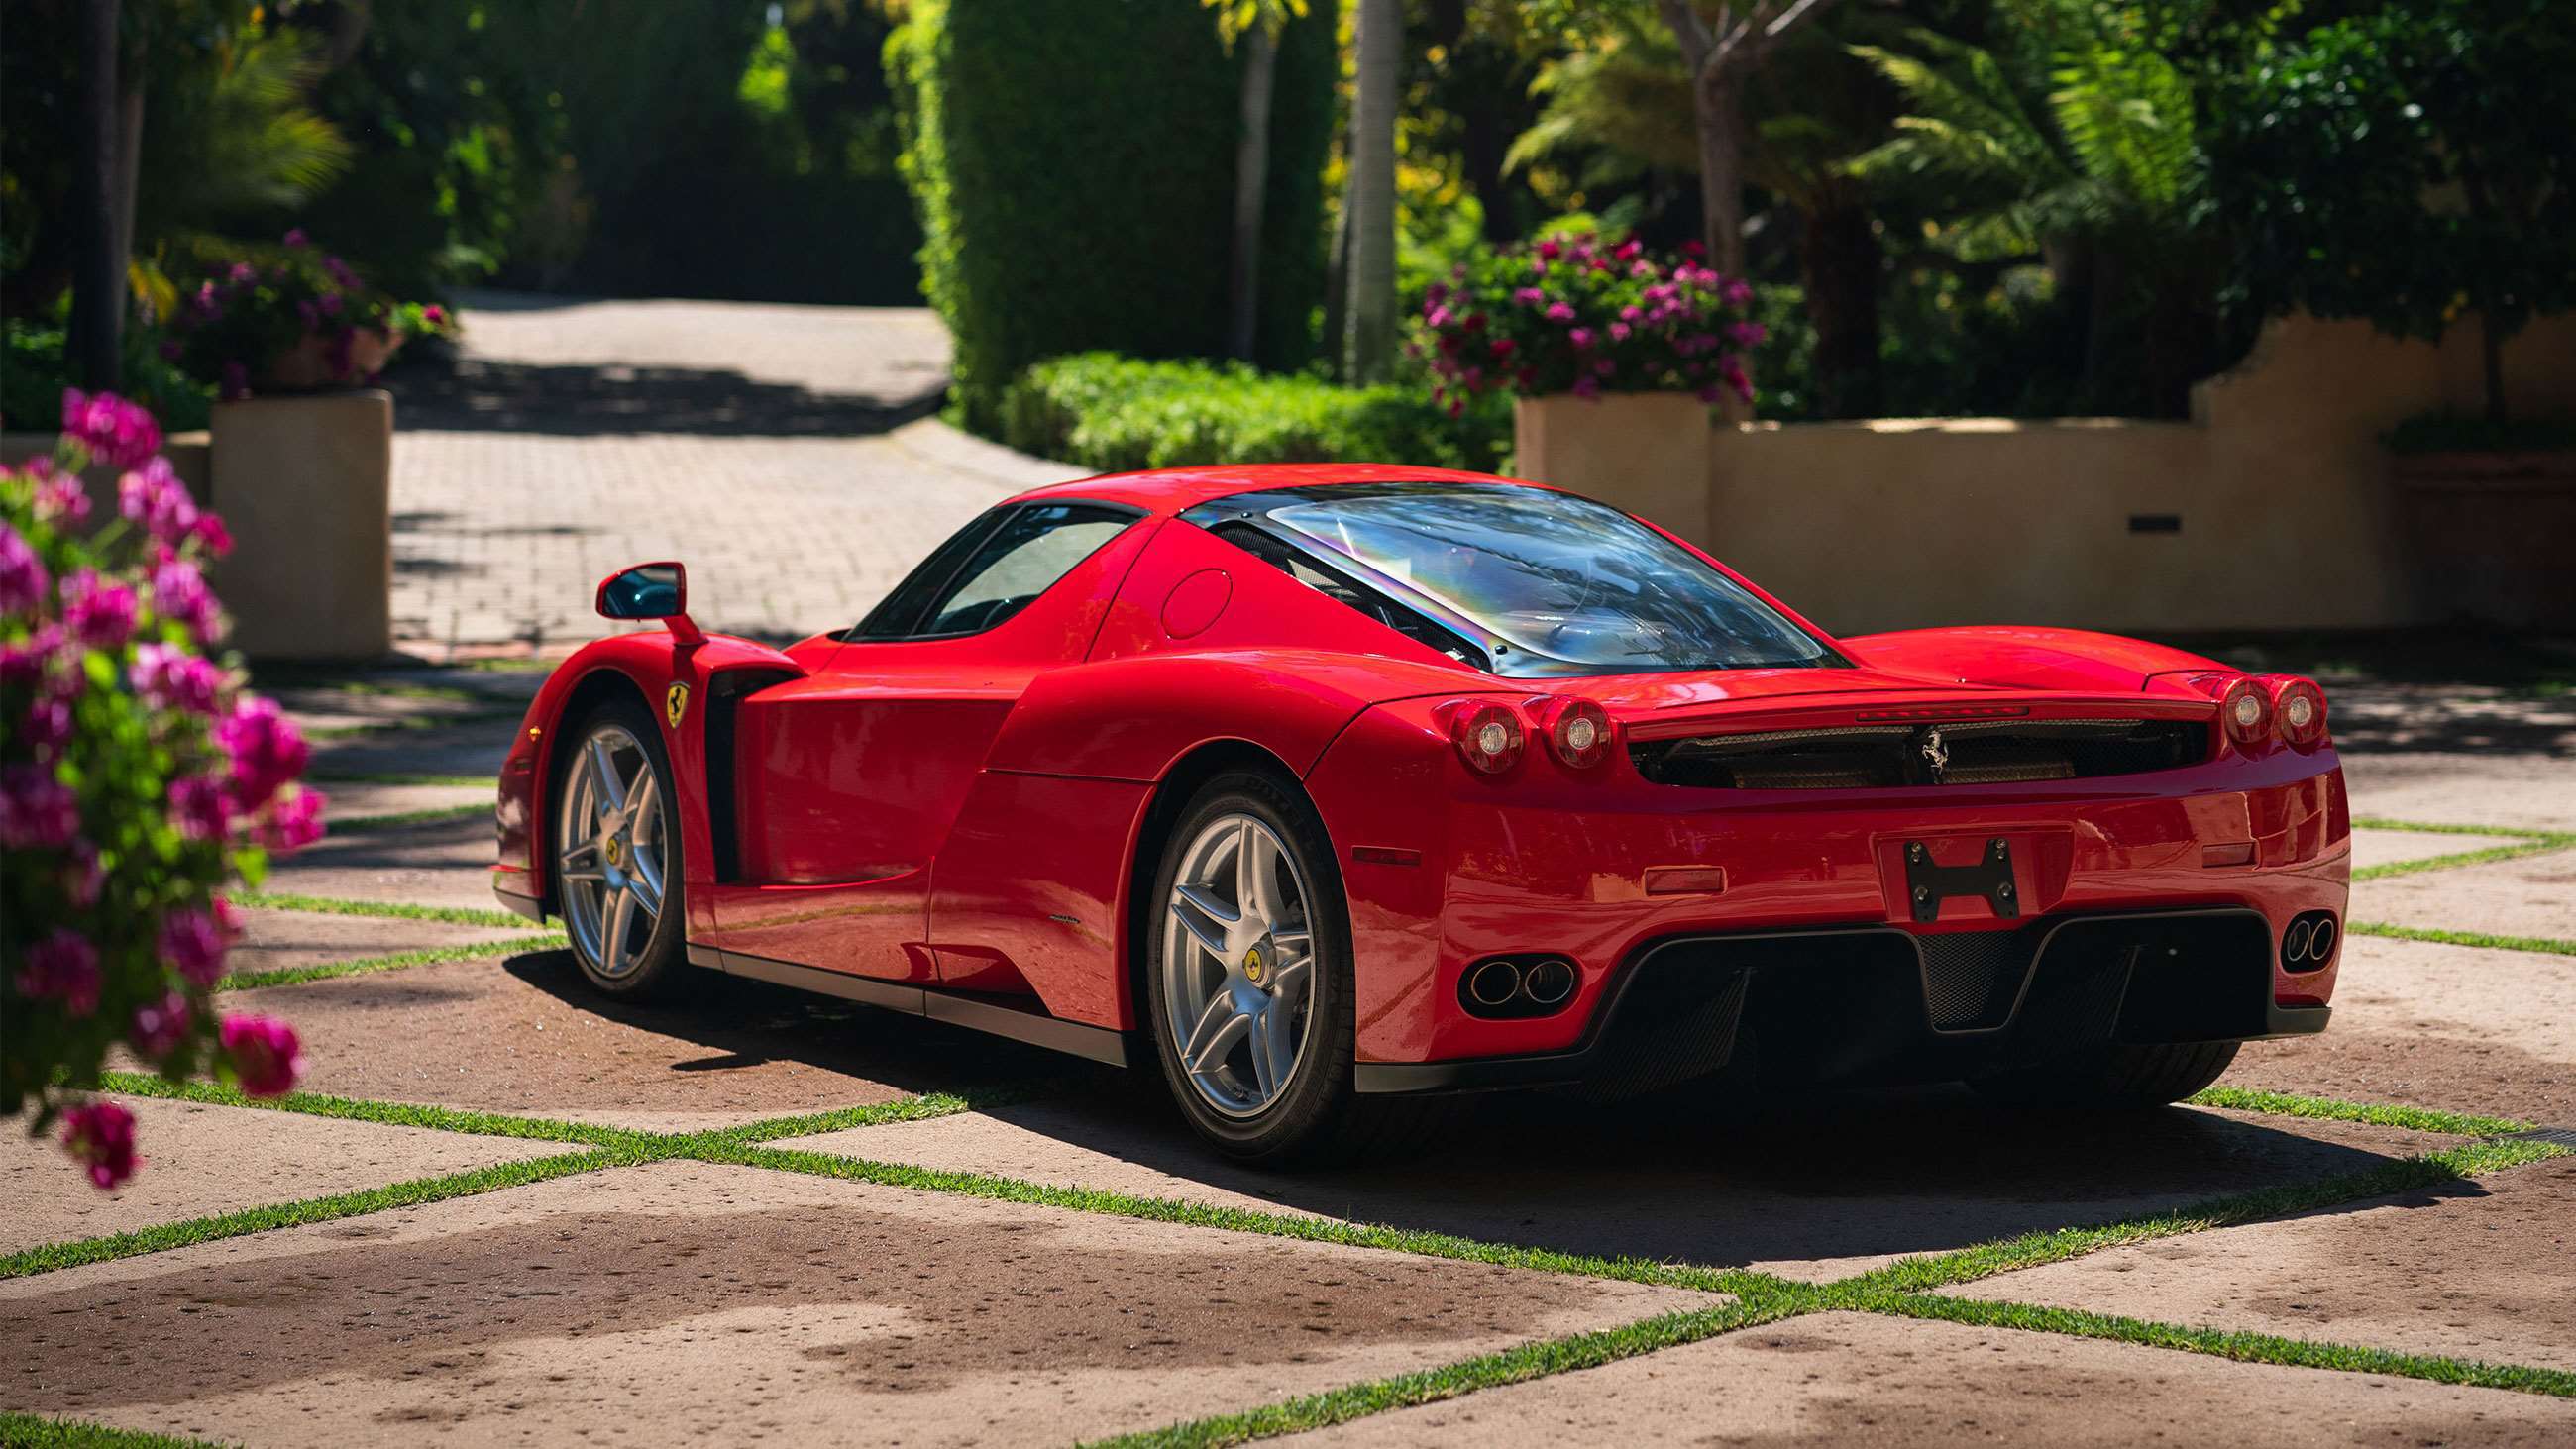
x: 1718, y: 110
x: 98, y: 271
x: 1838, y: 260
x: 129, y: 174
x: 1251, y: 183
x: 1369, y: 346
x: 1337, y: 287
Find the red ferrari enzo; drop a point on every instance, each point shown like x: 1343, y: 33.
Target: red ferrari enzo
x: 1335, y: 789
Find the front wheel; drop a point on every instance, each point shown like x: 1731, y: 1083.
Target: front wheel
x: 617, y: 854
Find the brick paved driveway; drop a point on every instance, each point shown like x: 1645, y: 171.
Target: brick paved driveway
x: 785, y: 453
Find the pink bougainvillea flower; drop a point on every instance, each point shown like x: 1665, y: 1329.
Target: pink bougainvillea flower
x: 98, y: 611
x: 37, y: 811
x: 211, y: 535
x: 266, y: 751
x: 193, y: 945
x: 24, y: 584
x: 1559, y: 312
x: 114, y: 431
x: 1529, y: 296
x: 32, y: 658
x: 295, y: 237
x: 198, y: 808
x: 48, y: 725
x: 292, y: 821
x: 161, y: 1027
x: 169, y: 677
x: 436, y: 315
x: 227, y: 920
x: 83, y: 876
x: 1581, y: 337
x: 1747, y: 334
x: 266, y: 1057
x: 1502, y: 348
x: 100, y: 1137
x: 62, y: 967
x: 153, y: 496
x: 179, y: 593
x: 243, y: 274
x: 236, y: 381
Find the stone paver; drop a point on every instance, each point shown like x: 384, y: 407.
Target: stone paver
x: 1812, y: 1194
x: 2484, y: 1269
x: 475, y: 749
x: 2532, y: 895
x: 527, y: 1035
x: 348, y: 800
x: 682, y: 1303
x: 2523, y: 790
x: 779, y: 451
x: 2391, y: 847
x: 2456, y: 1027
x: 1854, y: 1379
x: 273, y: 940
x: 434, y: 863
x: 199, y: 1161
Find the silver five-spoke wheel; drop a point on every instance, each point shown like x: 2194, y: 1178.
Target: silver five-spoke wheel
x: 1238, y: 965
x: 609, y: 851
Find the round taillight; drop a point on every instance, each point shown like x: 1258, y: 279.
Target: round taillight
x: 2298, y: 708
x: 1578, y: 731
x: 2246, y: 712
x: 1488, y: 737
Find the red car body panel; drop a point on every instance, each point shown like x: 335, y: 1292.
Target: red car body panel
x: 973, y: 814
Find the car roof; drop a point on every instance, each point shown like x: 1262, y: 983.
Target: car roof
x: 1170, y: 490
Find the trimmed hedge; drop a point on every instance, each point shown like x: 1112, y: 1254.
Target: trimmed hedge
x: 1100, y: 410
x: 1073, y: 165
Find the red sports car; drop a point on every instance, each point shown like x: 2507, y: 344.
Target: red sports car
x: 1335, y: 789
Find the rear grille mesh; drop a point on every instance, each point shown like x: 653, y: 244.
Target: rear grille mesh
x: 1979, y: 752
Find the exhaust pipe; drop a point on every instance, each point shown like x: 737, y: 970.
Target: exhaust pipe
x: 1548, y: 983
x: 1494, y: 984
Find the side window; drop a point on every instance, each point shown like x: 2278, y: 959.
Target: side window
x: 1033, y: 546
x: 1352, y: 594
x: 894, y: 615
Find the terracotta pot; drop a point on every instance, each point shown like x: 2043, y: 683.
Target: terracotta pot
x: 2492, y: 534
x: 306, y: 367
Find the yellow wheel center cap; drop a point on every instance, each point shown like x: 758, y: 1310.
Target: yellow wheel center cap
x: 1252, y: 967
x: 615, y: 850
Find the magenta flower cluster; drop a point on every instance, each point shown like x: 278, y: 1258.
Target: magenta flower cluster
x: 240, y: 319
x: 1584, y: 315
x: 136, y: 781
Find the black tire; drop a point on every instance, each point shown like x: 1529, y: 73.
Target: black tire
x: 1315, y: 1116
x: 2119, y: 1078
x: 660, y: 971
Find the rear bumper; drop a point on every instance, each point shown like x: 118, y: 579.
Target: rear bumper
x: 1873, y: 1003
x: 513, y: 889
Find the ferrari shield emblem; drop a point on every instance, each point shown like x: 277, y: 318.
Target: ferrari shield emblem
x: 675, y: 704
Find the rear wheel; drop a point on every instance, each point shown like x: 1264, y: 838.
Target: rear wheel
x: 1248, y: 980
x: 617, y: 854
x: 2119, y: 1077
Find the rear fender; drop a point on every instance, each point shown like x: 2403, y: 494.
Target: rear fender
x: 673, y: 680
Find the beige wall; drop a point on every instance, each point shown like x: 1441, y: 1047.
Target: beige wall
x: 2279, y: 481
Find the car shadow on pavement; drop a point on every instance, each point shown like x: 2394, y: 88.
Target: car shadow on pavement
x: 485, y: 395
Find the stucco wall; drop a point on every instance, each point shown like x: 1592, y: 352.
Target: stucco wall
x: 2279, y: 485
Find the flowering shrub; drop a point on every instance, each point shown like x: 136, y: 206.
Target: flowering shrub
x: 1582, y: 315
x: 137, y: 778
x: 237, y: 320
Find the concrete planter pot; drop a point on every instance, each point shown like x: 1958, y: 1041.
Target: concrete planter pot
x: 305, y: 484
x: 307, y: 366
x: 2493, y: 534
x: 1645, y: 452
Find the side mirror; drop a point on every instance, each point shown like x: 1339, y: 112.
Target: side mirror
x: 650, y: 591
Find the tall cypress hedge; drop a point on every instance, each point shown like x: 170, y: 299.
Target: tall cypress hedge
x: 1073, y: 164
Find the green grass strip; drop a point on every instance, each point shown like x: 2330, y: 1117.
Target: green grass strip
x: 30, y: 1431
x: 2488, y: 856
x: 1244, y: 1220
x: 395, y: 820
x: 2421, y: 827
x: 908, y: 1109
x: 2329, y: 1109
x: 471, y: 950
x: 387, y: 910
x: 390, y: 1114
x: 399, y: 777
x: 1520, y: 1364
x: 2031, y: 1250
x: 2548, y: 945
x: 58, y: 1256
x: 2240, y: 1346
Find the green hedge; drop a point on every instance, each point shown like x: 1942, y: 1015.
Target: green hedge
x: 1073, y: 165
x: 1100, y: 410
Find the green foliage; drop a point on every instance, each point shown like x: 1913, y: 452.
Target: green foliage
x: 1073, y: 166
x: 1100, y: 410
x: 2408, y: 163
x: 242, y: 144
x: 1586, y: 316
x: 36, y: 368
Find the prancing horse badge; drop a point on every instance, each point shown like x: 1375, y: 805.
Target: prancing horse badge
x: 675, y: 704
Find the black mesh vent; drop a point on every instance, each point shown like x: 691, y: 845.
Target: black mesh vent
x: 1982, y: 752
x: 1675, y: 1021
x: 1972, y: 978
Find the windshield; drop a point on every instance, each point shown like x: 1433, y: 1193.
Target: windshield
x: 1562, y: 585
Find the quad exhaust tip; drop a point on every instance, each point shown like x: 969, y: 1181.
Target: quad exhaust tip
x: 1518, y: 986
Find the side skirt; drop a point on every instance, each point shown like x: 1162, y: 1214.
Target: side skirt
x: 1098, y: 1043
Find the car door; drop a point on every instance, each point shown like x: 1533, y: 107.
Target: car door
x: 848, y: 780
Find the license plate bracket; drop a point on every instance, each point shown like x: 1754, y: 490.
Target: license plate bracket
x: 1989, y: 878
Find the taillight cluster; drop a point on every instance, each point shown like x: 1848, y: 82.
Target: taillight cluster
x: 1491, y: 736
x: 2255, y: 708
